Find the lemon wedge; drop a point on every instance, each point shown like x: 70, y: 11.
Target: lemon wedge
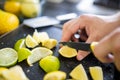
x: 67, y: 52
x: 49, y: 43
x: 78, y: 73
x: 96, y: 73
x: 37, y: 54
x: 55, y: 75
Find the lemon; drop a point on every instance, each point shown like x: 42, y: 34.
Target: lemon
x: 23, y: 53
x: 14, y: 73
x: 78, y: 73
x: 8, y: 57
x: 93, y: 45
x: 12, y: 6
x: 8, y: 22
x: 37, y: 54
x: 50, y: 63
x: 36, y: 36
x: 19, y: 44
x: 2, y: 69
x: 30, y: 42
x: 49, y: 43
x: 96, y: 73
x: 43, y: 36
x: 55, y: 75
x: 67, y: 52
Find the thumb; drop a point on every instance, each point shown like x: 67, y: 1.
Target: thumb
x: 102, y: 51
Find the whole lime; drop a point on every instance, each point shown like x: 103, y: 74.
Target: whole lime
x: 50, y: 63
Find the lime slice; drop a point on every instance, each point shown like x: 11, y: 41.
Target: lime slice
x: 23, y: 53
x: 36, y: 36
x: 30, y: 42
x: 14, y: 73
x: 8, y: 57
x: 49, y: 63
x: 49, y: 43
x: 96, y: 73
x: 19, y: 44
x: 78, y: 73
x: 37, y: 54
x: 55, y: 75
x: 67, y: 52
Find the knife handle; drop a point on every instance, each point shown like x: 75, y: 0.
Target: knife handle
x: 93, y: 45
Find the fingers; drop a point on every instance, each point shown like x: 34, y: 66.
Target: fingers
x: 70, y: 28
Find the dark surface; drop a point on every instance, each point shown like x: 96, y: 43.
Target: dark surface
x: 35, y: 72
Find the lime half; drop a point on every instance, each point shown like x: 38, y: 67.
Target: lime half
x: 8, y: 57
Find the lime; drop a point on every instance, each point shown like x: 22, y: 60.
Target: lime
x: 37, y: 54
x: 8, y: 57
x: 96, y: 73
x: 67, y: 52
x: 19, y: 44
x: 78, y: 73
x: 50, y: 63
x: 93, y: 45
x: 49, y: 43
x: 14, y: 73
x: 30, y: 42
x: 55, y: 75
x: 23, y: 53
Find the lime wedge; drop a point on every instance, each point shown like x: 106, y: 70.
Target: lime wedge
x: 49, y: 63
x: 36, y: 36
x: 37, y: 54
x: 23, y: 53
x: 30, y: 42
x: 19, y: 44
x: 68, y: 52
x: 43, y: 36
x: 55, y: 75
x: 8, y: 57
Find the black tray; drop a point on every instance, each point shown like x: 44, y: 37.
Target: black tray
x: 35, y: 72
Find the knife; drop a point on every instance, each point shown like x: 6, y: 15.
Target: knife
x: 80, y: 45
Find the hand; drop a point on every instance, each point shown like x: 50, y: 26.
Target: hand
x: 90, y: 27
x: 108, y: 49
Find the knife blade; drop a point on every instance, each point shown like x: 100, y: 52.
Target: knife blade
x: 80, y: 45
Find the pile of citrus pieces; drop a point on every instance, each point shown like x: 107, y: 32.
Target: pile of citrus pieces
x: 37, y: 47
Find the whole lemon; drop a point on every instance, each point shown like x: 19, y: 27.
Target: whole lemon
x: 12, y: 6
x: 8, y: 22
x: 50, y: 63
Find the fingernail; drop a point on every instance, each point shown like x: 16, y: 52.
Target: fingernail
x: 79, y: 57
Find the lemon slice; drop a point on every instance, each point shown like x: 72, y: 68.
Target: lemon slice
x: 50, y: 63
x: 96, y: 73
x: 49, y: 43
x: 14, y: 73
x: 8, y: 57
x: 67, y: 52
x: 19, y: 44
x: 37, y: 54
x: 30, y: 42
x: 23, y: 53
x: 55, y: 75
x: 78, y: 73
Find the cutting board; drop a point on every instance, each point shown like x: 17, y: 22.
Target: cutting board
x: 67, y: 64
